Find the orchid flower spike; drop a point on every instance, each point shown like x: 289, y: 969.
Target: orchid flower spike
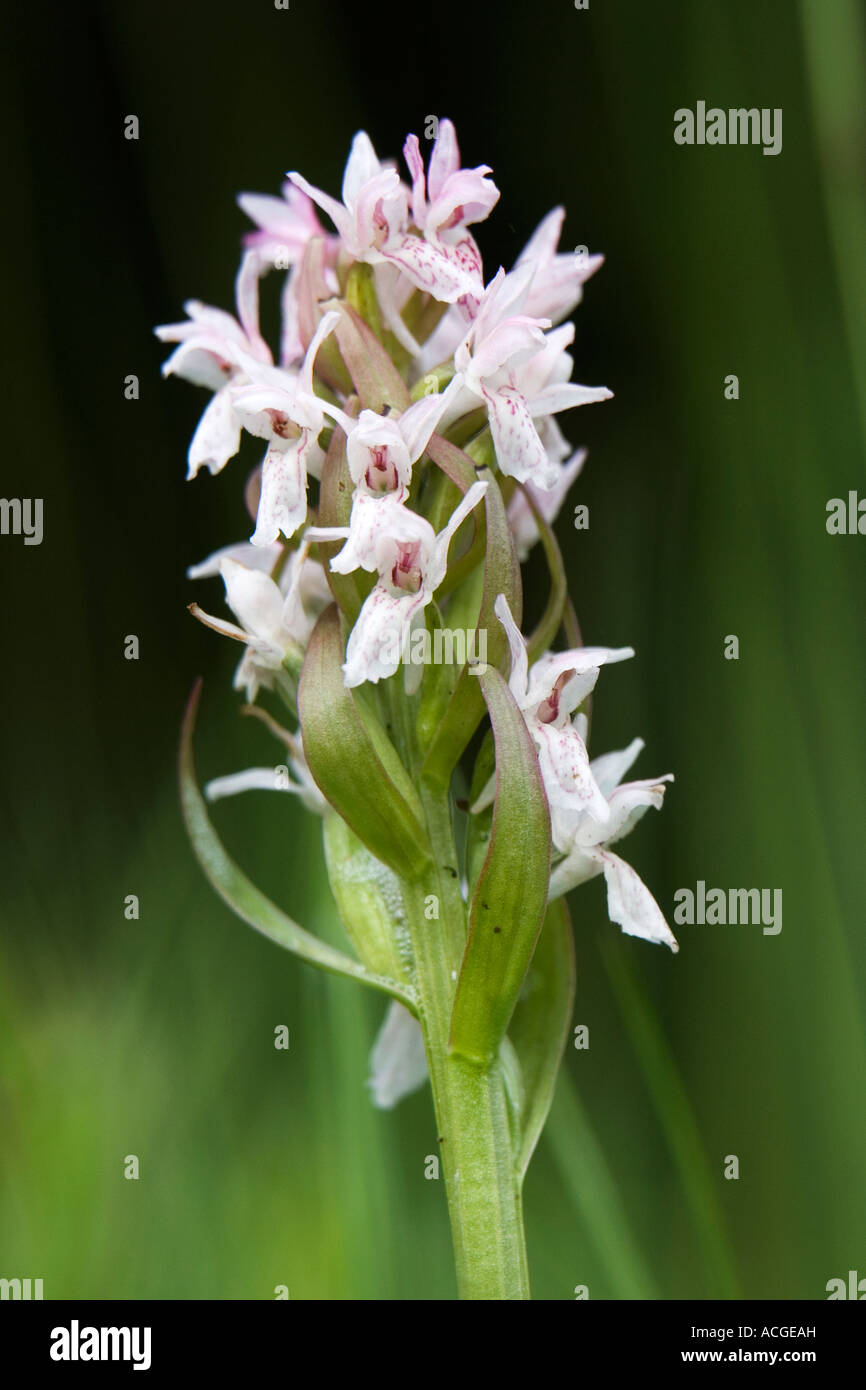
x: 398, y: 281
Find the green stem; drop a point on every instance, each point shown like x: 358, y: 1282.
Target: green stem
x: 476, y: 1146
x: 474, y: 1135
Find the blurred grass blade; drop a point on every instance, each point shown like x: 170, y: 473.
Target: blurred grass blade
x: 834, y: 49
x: 677, y: 1120
x: 593, y: 1190
x: 243, y: 897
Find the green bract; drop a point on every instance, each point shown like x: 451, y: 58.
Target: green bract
x: 510, y: 896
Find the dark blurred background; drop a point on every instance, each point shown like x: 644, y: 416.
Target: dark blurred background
x: 707, y: 518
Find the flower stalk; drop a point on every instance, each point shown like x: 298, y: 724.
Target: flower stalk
x: 474, y: 1135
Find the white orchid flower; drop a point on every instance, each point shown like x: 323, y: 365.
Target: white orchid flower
x: 548, y: 693
x: 373, y: 222
x: 284, y: 225
x: 589, y: 810
x: 448, y: 201
x: 557, y: 284
x: 211, y: 346
x: 381, y: 449
x: 282, y: 408
x: 506, y: 360
x: 523, y: 525
x: 293, y: 777
x: 273, y: 624
x: 587, y: 844
x: 411, y: 560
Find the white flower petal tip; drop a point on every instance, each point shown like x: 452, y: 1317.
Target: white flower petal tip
x: 253, y: 779
x: 398, y: 1065
x: 631, y: 904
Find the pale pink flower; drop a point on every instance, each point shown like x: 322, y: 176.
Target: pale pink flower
x: 281, y: 407
x: 381, y: 449
x: 548, y: 693
x: 274, y: 622
x: 211, y: 346
x: 520, y: 516
x: 559, y: 277
x: 284, y: 225
x: 449, y: 200
x: 411, y: 560
x: 373, y: 223
x: 380, y: 452
x: 507, y: 361
x: 588, y: 853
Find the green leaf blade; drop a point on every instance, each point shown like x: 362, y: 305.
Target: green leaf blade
x: 240, y: 894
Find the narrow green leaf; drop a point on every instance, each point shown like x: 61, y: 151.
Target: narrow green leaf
x: 541, y: 1025
x: 243, y: 897
x: 510, y: 898
x: 352, y: 759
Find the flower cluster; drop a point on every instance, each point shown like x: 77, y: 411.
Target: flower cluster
x: 409, y: 403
